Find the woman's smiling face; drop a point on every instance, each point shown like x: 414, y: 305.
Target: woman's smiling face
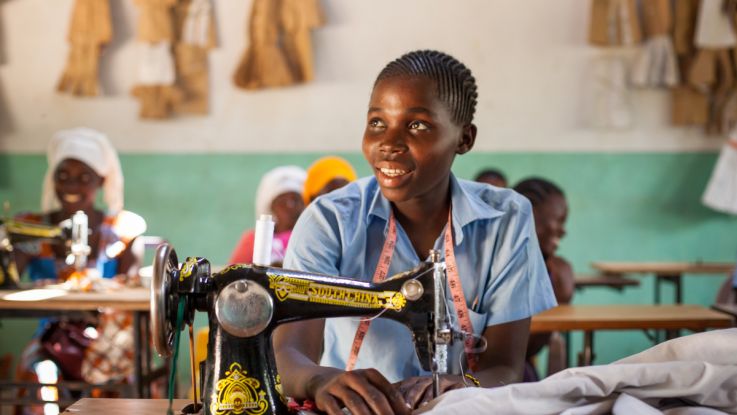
x: 76, y: 185
x: 410, y: 139
x: 550, y: 223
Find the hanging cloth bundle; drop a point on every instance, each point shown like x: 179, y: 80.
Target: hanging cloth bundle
x: 195, y: 28
x: 90, y: 29
x: 684, y: 24
x: 721, y: 192
x: 280, y: 49
x: 614, y: 23
x: 264, y: 63
x: 609, y: 103
x: 712, y: 70
x: 298, y: 18
x: 156, y: 87
x: 690, y: 106
x: 655, y: 64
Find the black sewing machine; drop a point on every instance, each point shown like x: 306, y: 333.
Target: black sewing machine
x: 73, y: 232
x: 245, y: 303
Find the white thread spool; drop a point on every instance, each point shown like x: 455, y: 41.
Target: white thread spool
x: 262, y: 241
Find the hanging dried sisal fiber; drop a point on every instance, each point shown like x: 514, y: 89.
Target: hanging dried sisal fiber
x: 298, y: 18
x: 264, y: 63
x: 195, y: 27
x: 89, y: 30
x: 156, y: 88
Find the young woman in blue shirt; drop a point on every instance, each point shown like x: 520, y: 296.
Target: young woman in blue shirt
x: 420, y: 118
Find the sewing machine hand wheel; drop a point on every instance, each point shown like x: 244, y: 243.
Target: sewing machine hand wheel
x: 163, y: 303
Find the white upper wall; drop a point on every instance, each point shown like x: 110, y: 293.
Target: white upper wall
x: 530, y: 59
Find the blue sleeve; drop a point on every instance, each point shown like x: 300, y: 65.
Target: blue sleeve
x: 315, y: 244
x: 519, y: 285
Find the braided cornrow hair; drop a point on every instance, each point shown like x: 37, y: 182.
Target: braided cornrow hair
x: 456, y: 86
x: 537, y: 190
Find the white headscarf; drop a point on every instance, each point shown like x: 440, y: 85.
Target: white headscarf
x: 276, y: 182
x: 93, y: 149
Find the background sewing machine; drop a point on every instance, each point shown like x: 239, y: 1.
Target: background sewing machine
x: 246, y: 303
x: 73, y: 232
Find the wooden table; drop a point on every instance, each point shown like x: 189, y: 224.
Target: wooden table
x: 53, y: 302
x: 90, y: 406
x: 617, y: 283
x: 127, y: 299
x: 590, y: 318
x: 730, y: 309
x: 671, y: 272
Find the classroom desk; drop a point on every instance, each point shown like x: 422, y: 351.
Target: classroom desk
x: 590, y: 318
x: 50, y: 302
x: 615, y: 282
x: 671, y: 272
x: 90, y: 406
x: 730, y: 309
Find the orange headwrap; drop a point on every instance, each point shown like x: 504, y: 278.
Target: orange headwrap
x: 322, y: 172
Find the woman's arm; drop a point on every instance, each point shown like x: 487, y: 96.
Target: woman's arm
x: 297, y: 349
x: 561, y: 276
x: 503, y: 360
x: 500, y: 364
x: 128, y: 262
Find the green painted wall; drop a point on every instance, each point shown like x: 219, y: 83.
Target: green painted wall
x: 622, y: 207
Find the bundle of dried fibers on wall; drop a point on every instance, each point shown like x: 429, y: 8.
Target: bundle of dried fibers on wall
x: 656, y: 64
x: 156, y: 87
x: 690, y: 47
x: 298, y: 19
x: 280, y: 49
x: 195, y: 26
x: 90, y: 29
x: 711, y: 66
x: 614, y: 23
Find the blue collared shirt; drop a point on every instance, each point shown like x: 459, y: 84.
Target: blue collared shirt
x: 498, y: 257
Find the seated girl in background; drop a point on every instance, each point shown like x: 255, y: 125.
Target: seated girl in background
x: 80, y: 162
x: 279, y: 194
x: 325, y: 175
x: 420, y: 116
x: 550, y: 209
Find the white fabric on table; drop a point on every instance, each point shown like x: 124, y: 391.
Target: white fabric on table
x: 700, y: 370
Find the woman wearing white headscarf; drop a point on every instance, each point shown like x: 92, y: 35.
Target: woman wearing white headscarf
x: 279, y: 194
x: 81, y: 162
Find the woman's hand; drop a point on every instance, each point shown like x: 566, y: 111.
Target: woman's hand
x: 362, y: 391
x: 417, y: 391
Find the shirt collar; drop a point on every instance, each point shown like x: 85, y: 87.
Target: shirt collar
x: 467, y: 207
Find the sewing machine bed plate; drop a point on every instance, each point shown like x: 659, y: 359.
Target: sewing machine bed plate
x: 89, y: 406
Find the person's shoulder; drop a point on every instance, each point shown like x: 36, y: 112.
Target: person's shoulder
x: 504, y: 200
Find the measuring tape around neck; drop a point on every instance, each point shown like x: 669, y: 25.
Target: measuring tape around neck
x: 454, y: 282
